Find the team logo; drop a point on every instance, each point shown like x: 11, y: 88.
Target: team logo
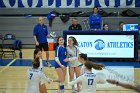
x: 99, y: 44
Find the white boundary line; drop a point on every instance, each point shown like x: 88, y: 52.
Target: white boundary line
x: 8, y: 65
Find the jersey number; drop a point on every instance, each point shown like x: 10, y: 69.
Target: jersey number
x: 31, y: 74
x: 90, y: 81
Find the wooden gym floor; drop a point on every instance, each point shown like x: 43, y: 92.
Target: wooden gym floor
x: 13, y: 78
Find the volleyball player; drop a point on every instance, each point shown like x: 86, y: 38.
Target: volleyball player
x: 89, y: 79
x: 38, y: 54
x: 74, y: 64
x: 35, y: 76
x: 60, y: 65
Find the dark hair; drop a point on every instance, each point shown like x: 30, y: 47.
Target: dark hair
x: 104, y: 25
x: 75, y: 18
x: 36, y: 62
x: 57, y: 44
x: 36, y: 51
x: 84, y: 56
x: 95, y: 7
x: 120, y: 22
x: 74, y: 40
x: 89, y: 65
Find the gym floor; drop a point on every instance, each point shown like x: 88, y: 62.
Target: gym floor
x: 13, y: 78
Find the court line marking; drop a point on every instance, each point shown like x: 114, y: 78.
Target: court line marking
x: 8, y: 65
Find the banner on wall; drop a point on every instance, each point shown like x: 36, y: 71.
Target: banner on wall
x: 69, y: 3
x: 106, y: 46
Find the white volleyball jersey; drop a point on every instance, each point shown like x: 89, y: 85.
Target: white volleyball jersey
x: 89, y: 81
x: 83, y: 70
x: 34, y: 78
x: 72, y: 54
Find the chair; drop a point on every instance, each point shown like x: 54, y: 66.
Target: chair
x: 8, y: 45
x: 86, y: 24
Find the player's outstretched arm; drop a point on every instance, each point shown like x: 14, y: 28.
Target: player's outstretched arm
x: 124, y: 85
x: 77, y: 80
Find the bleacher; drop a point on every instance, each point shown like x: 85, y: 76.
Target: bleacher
x: 22, y: 26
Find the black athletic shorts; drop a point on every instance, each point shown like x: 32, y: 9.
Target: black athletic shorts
x: 43, y: 46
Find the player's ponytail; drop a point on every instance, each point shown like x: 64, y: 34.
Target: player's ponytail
x: 84, y: 56
x: 35, y: 52
x: 36, y: 62
x: 98, y: 66
x: 89, y: 65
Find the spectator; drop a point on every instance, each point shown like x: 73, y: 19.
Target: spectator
x: 40, y: 36
x: 121, y: 23
x: 95, y: 20
x: 106, y: 27
x: 75, y: 25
